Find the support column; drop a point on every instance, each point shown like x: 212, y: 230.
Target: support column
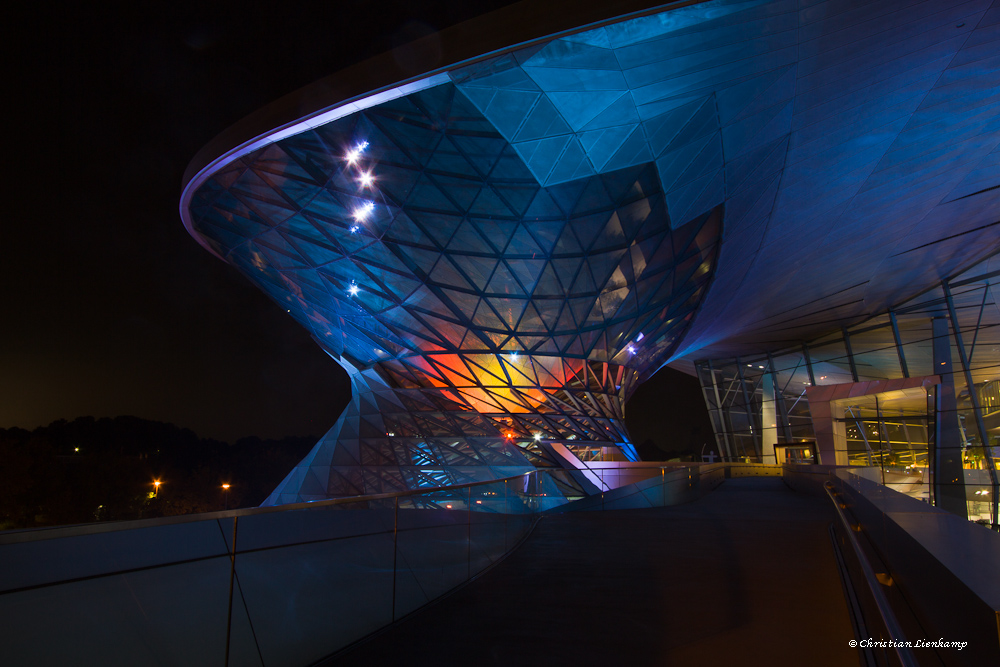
x: 718, y: 416
x: 850, y: 354
x: 977, y: 410
x: 768, y: 420
x: 779, y: 402
x: 899, y: 344
x: 754, y: 432
x: 838, y: 429
x: 946, y: 459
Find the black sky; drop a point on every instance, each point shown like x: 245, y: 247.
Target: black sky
x: 108, y: 306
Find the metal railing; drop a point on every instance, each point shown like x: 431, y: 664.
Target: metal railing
x: 284, y: 585
x: 872, y: 583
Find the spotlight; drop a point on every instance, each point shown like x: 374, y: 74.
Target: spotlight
x: 353, y: 154
x: 361, y: 213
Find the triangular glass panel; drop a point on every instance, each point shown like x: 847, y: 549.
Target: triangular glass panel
x: 543, y: 121
x: 517, y: 196
x: 461, y: 191
x: 497, y: 232
x: 573, y: 164
x: 447, y: 274
x: 485, y: 317
x: 527, y: 271
x: 504, y: 283
x: 427, y: 196
x: 509, y: 309
x: 522, y: 243
x: 488, y: 204
x: 507, y: 109
x: 466, y: 239
x: 436, y: 226
x: 463, y: 301
x: 478, y: 269
x: 545, y: 233
x: 531, y: 321
x: 543, y: 206
x: 481, y: 152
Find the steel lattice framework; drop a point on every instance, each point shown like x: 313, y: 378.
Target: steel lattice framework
x: 489, y: 324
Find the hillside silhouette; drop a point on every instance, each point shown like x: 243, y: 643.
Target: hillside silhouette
x: 89, y: 469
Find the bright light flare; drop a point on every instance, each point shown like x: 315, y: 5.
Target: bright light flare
x: 366, y: 179
x: 361, y: 213
x: 355, y: 153
x: 225, y: 486
x: 353, y: 289
x: 631, y: 349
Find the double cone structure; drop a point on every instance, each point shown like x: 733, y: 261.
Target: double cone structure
x: 497, y: 268
x: 490, y: 324
x: 501, y: 250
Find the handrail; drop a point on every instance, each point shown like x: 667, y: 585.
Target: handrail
x: 903, y: 652
x: 44, y: 532
x: 392, y: 560
x: 109, y: 526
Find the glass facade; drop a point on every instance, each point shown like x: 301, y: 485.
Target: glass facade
x: 493, y: 318
x: 911, y: 394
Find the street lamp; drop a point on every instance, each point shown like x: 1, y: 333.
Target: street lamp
x: 225, y: 487
x: 156, y: 487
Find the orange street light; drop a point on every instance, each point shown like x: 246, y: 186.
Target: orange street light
x: 156, y: 487
x: 225, y: 487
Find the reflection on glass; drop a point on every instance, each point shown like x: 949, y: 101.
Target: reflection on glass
x: 785, y: 401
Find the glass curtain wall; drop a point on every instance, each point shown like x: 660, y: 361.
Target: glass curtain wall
x: 934, y: 433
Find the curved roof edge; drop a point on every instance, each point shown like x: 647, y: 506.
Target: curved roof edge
x: 380, y: 79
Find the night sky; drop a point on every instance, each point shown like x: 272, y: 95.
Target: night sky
x: 108, y: 306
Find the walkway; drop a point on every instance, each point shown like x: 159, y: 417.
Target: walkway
x: 745, y: 576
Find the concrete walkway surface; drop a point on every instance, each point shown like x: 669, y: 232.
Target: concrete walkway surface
x: 745, y: 576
